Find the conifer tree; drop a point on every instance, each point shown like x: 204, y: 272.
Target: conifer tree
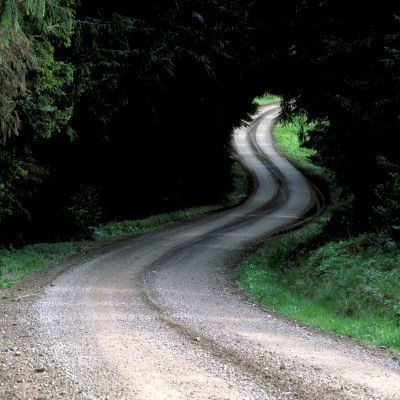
x: 144, y: 72
x: 336, y: 62
x: 32, y: 93
x: 29, y: 30
x: 16, y: 60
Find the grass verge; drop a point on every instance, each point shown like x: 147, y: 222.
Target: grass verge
x: 287, y: 139
x: 15, y: 263
x: 350, y: 286
x: 267, y: 98
x: 122, y: 228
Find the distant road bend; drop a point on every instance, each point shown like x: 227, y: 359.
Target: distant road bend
x: 160, y: 317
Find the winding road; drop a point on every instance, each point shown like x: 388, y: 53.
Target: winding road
x: 159, y: 316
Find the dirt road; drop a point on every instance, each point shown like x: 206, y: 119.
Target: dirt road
x: 159, y: 316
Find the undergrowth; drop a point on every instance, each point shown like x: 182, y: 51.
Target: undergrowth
x: 351, y: 287
x: 287, y: 138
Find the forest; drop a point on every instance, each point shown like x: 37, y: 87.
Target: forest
x: 120, y: 110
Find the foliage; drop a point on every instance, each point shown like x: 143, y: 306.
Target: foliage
x: 96, y: 89
x: 143, y: 74
x: 119, y: 58
x: 113, y: 90
x: 361, y: 272
x: 16, y: 61
x: 28, y: 32
x: 45, y: 109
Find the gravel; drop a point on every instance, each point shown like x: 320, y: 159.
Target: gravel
x: 159, y: 316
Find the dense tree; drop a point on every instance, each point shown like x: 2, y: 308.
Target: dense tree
x: 144, y: 73
x: 143, y: 98
x: 337, y: 64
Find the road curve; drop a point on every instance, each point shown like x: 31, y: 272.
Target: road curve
x: 159, y: 316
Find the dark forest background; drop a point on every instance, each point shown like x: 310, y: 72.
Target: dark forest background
x: 117, y: 110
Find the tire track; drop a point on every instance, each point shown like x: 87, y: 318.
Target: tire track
x: 159, y: 317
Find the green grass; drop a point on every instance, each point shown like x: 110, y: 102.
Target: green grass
x: 122, y: 228
x: 288, y: 141
x: 351, y: 287
x: 267, y: 98
x: 16, y: 263
x: 287, y: 137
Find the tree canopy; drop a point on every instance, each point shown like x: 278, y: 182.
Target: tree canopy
x: 336, y: 65
x: 346, y: 79
x: 116, y: 110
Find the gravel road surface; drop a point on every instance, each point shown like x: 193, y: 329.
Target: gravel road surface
x: 159, y: 316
